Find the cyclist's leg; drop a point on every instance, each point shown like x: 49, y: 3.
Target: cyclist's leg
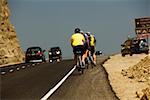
x: 86, y: 50
x: 88, y: 55
x: 84, y: 57
x: 93, y: 54
x: 75, y: 56
x: 83, y: 54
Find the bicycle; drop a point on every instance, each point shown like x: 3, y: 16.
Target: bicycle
x: 79, y: 62
x: 87, y: 62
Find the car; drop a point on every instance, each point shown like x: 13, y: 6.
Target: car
x: 127, y: 48
x: 143, y: 46
x: 136, y: 46
x: 55, y: 54
x: 35, y: 54
x: 140, y: 46
x: 98, y: 52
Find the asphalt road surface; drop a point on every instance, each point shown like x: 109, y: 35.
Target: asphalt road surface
x: 33, y: 82
x: 93, y: 85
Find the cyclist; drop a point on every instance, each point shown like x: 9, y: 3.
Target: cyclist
x: 86, y: 44
x: 77, y: 43
x: 92, y: 45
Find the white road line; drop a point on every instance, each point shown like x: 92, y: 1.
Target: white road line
x: 3, y: 72
x: 57, y: 86
x: 23, y: 67
x: 11, y: 70
x: 28, y: 65
x: 18, y: 68
x: 33, y: 64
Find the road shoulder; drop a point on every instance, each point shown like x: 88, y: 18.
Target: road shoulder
x: 123, y: 87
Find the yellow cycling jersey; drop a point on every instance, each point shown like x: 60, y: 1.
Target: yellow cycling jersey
x: 92, y: 42
x: 77, y: 39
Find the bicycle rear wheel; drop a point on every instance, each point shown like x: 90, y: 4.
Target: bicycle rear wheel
x: 80, y: 64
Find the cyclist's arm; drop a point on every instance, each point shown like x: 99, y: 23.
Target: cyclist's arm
x: 95, y: 40
x: 84, y: 40
x: 71, y: 40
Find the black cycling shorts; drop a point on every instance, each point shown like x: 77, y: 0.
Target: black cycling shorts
x: 86, y: 46
x: 79, y: 48
x: 92, y: 49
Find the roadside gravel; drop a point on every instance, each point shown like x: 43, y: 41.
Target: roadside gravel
x: 124, y: 87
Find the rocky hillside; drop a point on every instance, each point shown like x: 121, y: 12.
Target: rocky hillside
x: 141, y: 73
x: 10, y: 50
x: 129, y: 76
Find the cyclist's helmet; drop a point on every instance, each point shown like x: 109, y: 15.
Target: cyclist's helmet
x: 77, y: 30
x: 81, y: 32
x: 88, y: 33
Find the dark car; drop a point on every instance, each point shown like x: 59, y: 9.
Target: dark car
x: 55, y: 54
x: 143, y: 46
x: 137, y: 46
x: 140, y: 46
x: 98, y: 53
x: 127, y: 48
x: 34, y: 54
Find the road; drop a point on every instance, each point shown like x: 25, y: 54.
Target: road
x: 32, y: 83
x: 93, y: 85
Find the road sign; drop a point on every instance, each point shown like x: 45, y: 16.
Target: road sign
x: 143, y: 36
x: 142, y: 25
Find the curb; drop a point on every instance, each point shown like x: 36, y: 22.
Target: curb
x: 107, y: 75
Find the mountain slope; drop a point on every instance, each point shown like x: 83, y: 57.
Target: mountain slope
x: 10, y: 50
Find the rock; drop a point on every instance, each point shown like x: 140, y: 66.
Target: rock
x: 139, y: 94
x: 144, y: 94
x: 140, y: 71
x: 10, y: 49
x: 124, y: 72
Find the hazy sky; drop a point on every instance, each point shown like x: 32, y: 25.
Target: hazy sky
x: 49, y: 23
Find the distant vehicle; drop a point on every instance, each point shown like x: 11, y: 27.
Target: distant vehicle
x: 137, y: 46
x: 55, y: 54
x: 98, y: 53
x: 143, y: 46
x: 140, y: 45
x: 34, y: 54
x: 127, y: 48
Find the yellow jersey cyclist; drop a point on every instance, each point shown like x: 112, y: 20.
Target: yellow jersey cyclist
x: 92, y: 46
x: 77, y: 43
